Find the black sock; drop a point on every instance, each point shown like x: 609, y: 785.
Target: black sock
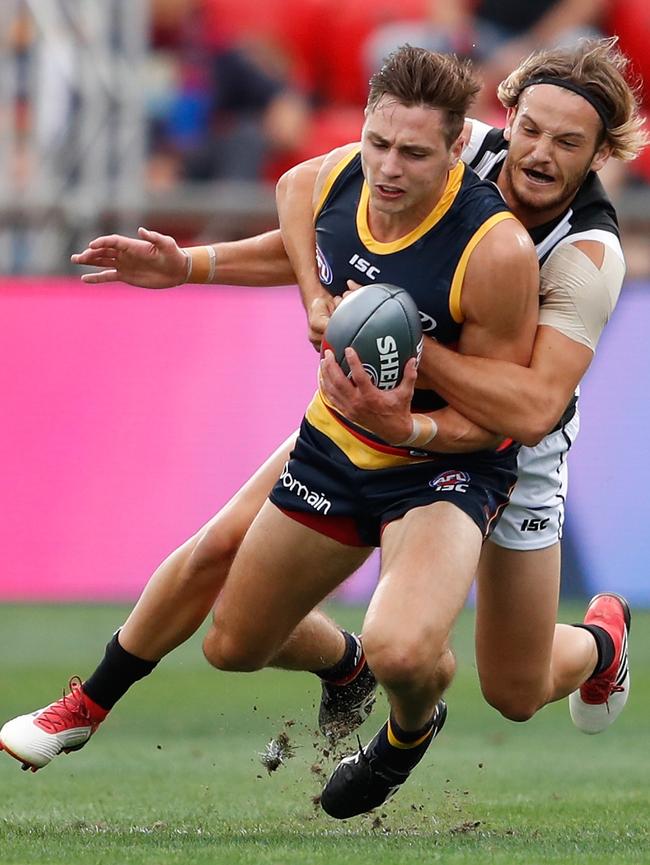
x: 402, y: 749
x: 115, y: 674
x: 604, y: 646
x: 349, y: 665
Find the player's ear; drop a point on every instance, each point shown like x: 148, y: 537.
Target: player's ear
x: 601, y: 156
x: 510, y: 119
x: 456, y: 150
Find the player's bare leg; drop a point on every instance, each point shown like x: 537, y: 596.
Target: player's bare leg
x: 428, y: 563
x: 174, y: 604
x: 525, y: 660
x: 282, y: 571
x: 182, y: 591
x: 516, y: 612
x: 315, y: 643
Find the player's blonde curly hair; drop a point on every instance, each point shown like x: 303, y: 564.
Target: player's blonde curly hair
x: 600, y: 68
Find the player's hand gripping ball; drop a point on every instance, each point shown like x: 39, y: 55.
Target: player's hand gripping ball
x: 382, y: 324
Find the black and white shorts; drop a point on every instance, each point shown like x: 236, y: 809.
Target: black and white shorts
x: 534, y: 517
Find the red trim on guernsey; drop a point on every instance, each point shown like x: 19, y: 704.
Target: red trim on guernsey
x: 504, y: 444
x: 341, y: 529
x: 373, y: 443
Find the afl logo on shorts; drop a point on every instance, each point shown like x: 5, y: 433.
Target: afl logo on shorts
x: 451, y: 481
x: 324, y: 270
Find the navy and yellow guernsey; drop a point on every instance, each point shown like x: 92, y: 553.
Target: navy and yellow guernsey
x: 429, y: 262
x: 341, y: 480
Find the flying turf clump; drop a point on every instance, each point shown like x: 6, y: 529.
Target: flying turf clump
x: 277, y: 752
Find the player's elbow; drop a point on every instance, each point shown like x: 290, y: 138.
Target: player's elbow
x: 537, y: 421
x: 529, y: 437
x: 282, y: 186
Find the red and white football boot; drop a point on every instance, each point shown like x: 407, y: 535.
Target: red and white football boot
x: 61, y: 727
x: 600, y: 700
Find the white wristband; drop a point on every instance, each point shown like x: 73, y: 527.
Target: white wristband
x: 188, y: 265
x: 212, y: 252
x: 201, y: 263
x: 424, y: 429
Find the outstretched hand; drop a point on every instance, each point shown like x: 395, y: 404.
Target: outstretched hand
x: 386, y: 413
x: 151, y: 260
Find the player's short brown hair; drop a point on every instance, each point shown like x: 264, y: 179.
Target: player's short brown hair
x: 602, y: 70
x: 415, y: 76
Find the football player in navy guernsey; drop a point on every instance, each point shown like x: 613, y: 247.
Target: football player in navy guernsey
x: 179, y: 594
x: 461, y: 244
x: 430, y: 491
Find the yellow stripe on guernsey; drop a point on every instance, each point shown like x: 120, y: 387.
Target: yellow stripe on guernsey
x: 405, y: 746
x: 461, y: 267
x: 446, y: 200
x: 331, y: 178
x: 360, y: 453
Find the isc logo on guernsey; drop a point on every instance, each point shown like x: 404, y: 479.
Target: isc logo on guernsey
x: 364, y: 266
x: 315, y: 500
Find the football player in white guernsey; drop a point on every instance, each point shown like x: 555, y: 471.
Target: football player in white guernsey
x: 524, y: 659
x: 568, y: 112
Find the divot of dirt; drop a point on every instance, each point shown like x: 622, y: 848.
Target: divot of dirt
x: 277, y: 752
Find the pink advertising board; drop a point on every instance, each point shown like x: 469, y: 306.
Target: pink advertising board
x: 128, y: 418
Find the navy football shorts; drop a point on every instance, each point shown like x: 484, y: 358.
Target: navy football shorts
x: 321, y: 488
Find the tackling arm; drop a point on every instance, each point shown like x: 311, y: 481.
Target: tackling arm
x: 499, y: 304
x: 153, y: 260
x: 387, y: 414
x: 526, y: 402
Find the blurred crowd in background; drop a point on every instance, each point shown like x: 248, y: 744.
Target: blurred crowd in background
x: 246, y: 88
x: 236, y: 91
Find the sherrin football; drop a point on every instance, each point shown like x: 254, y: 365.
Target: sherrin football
x: 382, y: 324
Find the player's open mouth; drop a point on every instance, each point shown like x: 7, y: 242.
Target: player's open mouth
x: 538, y: 176
x: 389, y: 191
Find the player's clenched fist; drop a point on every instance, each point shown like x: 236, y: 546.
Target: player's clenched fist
x: 318, y: 315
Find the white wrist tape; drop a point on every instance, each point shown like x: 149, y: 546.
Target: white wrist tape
x: 201, y: 263
x: 424, y: 429
x: 188, y: 265
x: 212, y: 252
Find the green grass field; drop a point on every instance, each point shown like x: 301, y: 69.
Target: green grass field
x: 174, y: 775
